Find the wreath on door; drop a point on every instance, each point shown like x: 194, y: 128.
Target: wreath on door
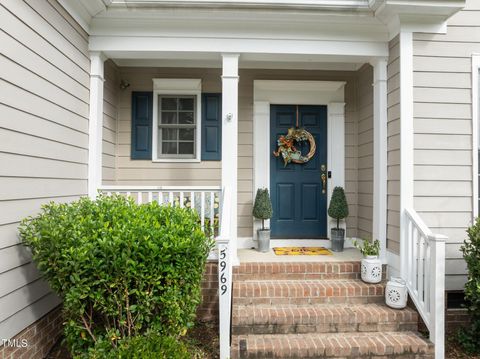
x: 286, y: 145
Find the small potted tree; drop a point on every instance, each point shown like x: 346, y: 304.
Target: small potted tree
x: 338, y: 210
x: 371, y: 266
x: 262, y: 209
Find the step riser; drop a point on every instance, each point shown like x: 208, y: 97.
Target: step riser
x: 308, y: 300
x: 322, y: 328
x: 271, y: 355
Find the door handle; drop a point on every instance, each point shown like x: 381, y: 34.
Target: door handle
x: 324, y: 183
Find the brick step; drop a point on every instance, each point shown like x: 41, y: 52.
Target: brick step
x: 301, y: 292
x: 341, y: 345
x: 329, y: 318
x: 297, y: 270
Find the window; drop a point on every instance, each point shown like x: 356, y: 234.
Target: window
x: 177, y: 125
x: 176, y: 120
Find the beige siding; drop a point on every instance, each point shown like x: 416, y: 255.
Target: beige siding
x: 393, y: 148
x: 365, y: 150
x: 443, y: 132
x: 111, y: 90
x: 209, y: 172
x: 44, y: 77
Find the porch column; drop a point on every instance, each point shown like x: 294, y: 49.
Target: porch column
x: 95, y: 124
x: 230, y: 140
x: 379, y: 227
x: 406, y: 136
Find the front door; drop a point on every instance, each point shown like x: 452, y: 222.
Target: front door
x: 299, y: 197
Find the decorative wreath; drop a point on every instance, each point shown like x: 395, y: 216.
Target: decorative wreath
x: 286, y: 146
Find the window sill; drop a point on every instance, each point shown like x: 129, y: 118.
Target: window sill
x: 176, y: 160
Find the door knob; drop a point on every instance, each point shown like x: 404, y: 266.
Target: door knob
x: 324, y: 183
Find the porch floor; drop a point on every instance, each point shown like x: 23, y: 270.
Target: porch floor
x: 252, y: 255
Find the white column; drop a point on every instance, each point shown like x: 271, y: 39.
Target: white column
x: 336, y: 150
x: 230, y: 140
x: 406, y: 143
x: 380, y: 154
x: 95, y: 125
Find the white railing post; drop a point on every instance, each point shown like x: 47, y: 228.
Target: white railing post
x: 224, y: 295
x: 437, y: 294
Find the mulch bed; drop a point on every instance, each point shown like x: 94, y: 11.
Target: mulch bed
x: 453, y: 349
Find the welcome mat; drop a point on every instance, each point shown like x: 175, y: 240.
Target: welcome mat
x: 302, y: 251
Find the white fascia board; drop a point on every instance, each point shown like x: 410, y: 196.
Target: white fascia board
x: 136, y: 44
x: 356, y: 5
x: 83, y: 11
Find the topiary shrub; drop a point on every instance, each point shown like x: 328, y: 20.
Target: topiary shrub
x: 338, y: 208
x: 470, y: 337
x: 262, y: 208
x: 122, y: 269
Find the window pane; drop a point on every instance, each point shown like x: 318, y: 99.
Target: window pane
x: 186, y: 134
x: 186, y: 118
x: 168, y: 117
x: 185, y: 148
x: 169, y: 103
x: 169, y: 148
x: 169, y: 134
x: 186, y: 104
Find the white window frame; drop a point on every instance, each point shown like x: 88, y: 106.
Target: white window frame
x: 475, y: 131
x: 177, y: 87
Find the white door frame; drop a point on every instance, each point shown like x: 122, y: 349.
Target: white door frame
x: 279, y: 92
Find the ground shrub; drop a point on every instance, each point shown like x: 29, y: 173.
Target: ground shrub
x: 143, y: 347
x: 122, y: 269
x: 470, y: 337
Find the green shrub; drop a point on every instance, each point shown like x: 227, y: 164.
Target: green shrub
x: 471, y: 252
x: 122, y: 269
x: 143, y: 347
x: 262, y: 208
x: 338, y: 208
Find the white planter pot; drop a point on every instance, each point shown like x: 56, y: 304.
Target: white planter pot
x: 371, y: 269
x: 396, y: 293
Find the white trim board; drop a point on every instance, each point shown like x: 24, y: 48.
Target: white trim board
x: 329, y: 93
x: 475, y: 129
x: 249, y: 242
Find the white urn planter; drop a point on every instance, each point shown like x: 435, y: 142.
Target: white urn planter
x: 371, y: 269
x: 396, y: 293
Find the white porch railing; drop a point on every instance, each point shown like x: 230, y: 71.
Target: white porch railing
x: 205, y: 200
x: 425, y: 276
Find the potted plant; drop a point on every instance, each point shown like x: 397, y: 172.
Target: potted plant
x: 338, y: 209
x: 262, y: 209
x: 371, y: 266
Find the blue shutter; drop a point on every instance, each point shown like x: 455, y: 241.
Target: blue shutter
x: 211, y: 127
x: 142, y: 110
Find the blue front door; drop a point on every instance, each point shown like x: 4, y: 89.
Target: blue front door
x: 299, y: 197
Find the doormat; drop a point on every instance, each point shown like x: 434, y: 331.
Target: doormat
x: 302, y: 251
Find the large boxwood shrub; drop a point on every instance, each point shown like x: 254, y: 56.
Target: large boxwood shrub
x: 470, y: 337
x: 122, y: 269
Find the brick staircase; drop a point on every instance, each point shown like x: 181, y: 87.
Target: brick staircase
x: 318, y: 310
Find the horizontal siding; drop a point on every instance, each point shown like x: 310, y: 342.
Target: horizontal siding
x: 365, y: 151
x: 140, y: 172
x: 111, y: 90
x: 44, y: 78
x: 393, y: 148
x: 443, y: 132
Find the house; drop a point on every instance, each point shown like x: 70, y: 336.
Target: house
x: 179, y: 100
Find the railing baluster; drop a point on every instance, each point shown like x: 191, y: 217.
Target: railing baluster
x: 421, y: 264
x: 139, y: 197
x: 192, y: 200
x: 181, y: 199
x: 160, y: 197
x: 414, y: 260
x: 202, y: 209
x: 212, y: 211
x: 170, y: 198
x: 150, y: 196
